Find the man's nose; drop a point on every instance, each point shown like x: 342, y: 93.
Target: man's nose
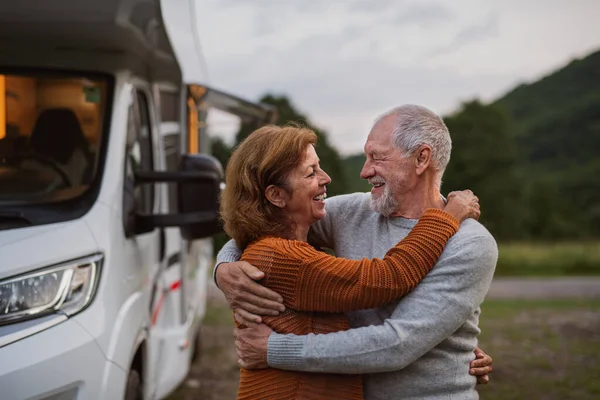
x: 367, y: 170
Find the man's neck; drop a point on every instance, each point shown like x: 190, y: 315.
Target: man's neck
x: 413, y: 204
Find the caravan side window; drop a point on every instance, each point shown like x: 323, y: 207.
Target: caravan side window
x: 138, y: 152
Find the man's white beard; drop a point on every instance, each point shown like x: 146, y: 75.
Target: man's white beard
x: 385, y: 204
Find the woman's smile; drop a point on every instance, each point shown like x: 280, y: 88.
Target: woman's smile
x: 306, y: 204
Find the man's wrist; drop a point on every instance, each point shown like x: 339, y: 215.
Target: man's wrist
x: 215, y: 270
x: 285, y: 351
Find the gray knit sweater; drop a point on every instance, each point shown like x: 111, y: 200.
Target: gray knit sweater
x: 417, y: 348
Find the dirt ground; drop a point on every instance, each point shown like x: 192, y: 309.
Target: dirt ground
x: 587, y: 287
x: 215, y: 375
x: 556, y: 345
x: 542, y: 350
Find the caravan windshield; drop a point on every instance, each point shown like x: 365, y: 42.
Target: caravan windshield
x: 50, y: 132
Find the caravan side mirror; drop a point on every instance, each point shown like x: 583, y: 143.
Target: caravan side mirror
x: 199, y: 181
x: 200, y: 195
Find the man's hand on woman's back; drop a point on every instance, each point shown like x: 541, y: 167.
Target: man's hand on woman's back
x: 249, y: 299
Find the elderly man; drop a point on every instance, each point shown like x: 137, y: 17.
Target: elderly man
x: 420, y: 347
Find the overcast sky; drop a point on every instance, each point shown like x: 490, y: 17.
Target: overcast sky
x: 343, y: 62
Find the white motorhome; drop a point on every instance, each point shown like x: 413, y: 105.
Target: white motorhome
x: 108, y: 200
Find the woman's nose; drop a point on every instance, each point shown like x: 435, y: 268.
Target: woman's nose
x: 325, y: 179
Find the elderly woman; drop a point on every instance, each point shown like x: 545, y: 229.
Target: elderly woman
x: 275, y: 190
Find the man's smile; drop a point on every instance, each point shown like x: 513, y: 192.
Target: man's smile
x: 377, y: 183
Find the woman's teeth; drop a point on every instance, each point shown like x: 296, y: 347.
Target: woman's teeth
x: 320, y: 197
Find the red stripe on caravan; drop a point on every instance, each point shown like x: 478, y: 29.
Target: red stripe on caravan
x: 174, y: 286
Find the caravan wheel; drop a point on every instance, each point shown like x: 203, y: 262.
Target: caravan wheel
x: 197, y: 346
x: 134, y: 386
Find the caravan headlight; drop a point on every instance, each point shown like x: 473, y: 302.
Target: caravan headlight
x: 68, y: 287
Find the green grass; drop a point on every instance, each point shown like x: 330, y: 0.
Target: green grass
x: 544, y: 259
x: 542, y: 349
x: 218, y: 316
x: 216, y: 373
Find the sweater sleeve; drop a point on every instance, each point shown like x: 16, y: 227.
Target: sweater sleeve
x: 228, y: 253
x: 421, y: 321
x: 310, y: 280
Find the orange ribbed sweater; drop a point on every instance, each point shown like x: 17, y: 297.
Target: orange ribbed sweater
x: 317, y: 288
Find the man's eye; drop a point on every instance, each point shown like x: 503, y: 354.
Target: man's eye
x: 311, y: 174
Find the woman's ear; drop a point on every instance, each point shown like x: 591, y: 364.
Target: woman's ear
x: 276, y: 196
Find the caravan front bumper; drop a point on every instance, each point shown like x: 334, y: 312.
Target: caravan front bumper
x: 62, y: 362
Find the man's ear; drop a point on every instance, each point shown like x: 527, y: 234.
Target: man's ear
x: 276, y: 195
x: 422, y: 159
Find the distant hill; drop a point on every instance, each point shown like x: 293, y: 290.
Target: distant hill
x: 352, y: 167
x: 554, y: 97
x: 553, y: 125
x: 556, y: 125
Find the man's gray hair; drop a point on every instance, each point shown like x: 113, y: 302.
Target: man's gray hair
x: 417, y: 125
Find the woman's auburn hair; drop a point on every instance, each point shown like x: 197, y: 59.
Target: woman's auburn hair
x: 266, y: 157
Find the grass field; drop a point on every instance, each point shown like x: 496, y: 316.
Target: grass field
x: 215, y: 375
x: 546, y: 259
x: 542, y: 350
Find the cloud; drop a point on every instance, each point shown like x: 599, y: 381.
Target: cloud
x: 478, y: 32
x: 343, y: 62
x: 344, y: 95
x: 370, y: 6
x: 423, y: 14
x: 273, y: 16
x: 265, y: 25
x: 483, y: 30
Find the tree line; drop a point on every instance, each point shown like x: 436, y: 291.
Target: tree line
x: 530, y: 156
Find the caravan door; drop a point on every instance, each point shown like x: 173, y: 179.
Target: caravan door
x: 201, y: 99
x: 182, y: 281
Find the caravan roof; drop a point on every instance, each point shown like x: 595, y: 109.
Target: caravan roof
x: 89, y: 35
